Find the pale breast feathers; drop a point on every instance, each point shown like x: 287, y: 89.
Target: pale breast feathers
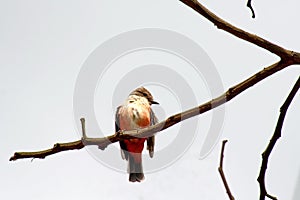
x: 135, y: 114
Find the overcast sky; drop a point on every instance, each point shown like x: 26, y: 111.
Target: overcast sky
x: 44, y: 46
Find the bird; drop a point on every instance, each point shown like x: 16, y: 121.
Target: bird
x: 134, y: 114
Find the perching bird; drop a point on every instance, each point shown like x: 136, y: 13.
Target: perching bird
x: 134, y: 114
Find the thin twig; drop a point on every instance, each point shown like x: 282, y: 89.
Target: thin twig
x: 82, y: 120
x: 249, y: 5
x: 220, y: 169
x: 275, y: 137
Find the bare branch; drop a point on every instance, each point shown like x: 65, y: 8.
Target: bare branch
x: 222, y: 24
x: 102, y: 143
x: 220, y: 169
x: 58, y: 147
x: 249, y: 5
x: 275, y: 137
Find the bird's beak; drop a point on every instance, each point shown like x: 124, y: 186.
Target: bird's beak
x: 154, y: 102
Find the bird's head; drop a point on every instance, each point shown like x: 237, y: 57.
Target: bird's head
x: 143, y: 92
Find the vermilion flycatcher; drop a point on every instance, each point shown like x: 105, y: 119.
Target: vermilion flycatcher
x: 136, y: 113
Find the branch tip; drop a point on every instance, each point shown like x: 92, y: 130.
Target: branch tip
x: 220, y: 169
x: 249, y: 5
x: 271, y: 197
x: 82, y: 120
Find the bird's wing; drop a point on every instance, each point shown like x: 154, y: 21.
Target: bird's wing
x: 124, y: 152
x: 151, y: 140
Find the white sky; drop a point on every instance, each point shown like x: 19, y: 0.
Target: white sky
x: 43, y: 45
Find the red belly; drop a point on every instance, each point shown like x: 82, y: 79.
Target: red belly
x: 130, y: 122
x: 135, y: 145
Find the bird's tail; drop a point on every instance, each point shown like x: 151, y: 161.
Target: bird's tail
x: 135, y: 167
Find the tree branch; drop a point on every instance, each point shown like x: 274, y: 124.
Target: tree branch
x: 220, y: 169
x: 222, y: 24
x: 275, y: 137
x: 58, y: 147
x: 102, y: 143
